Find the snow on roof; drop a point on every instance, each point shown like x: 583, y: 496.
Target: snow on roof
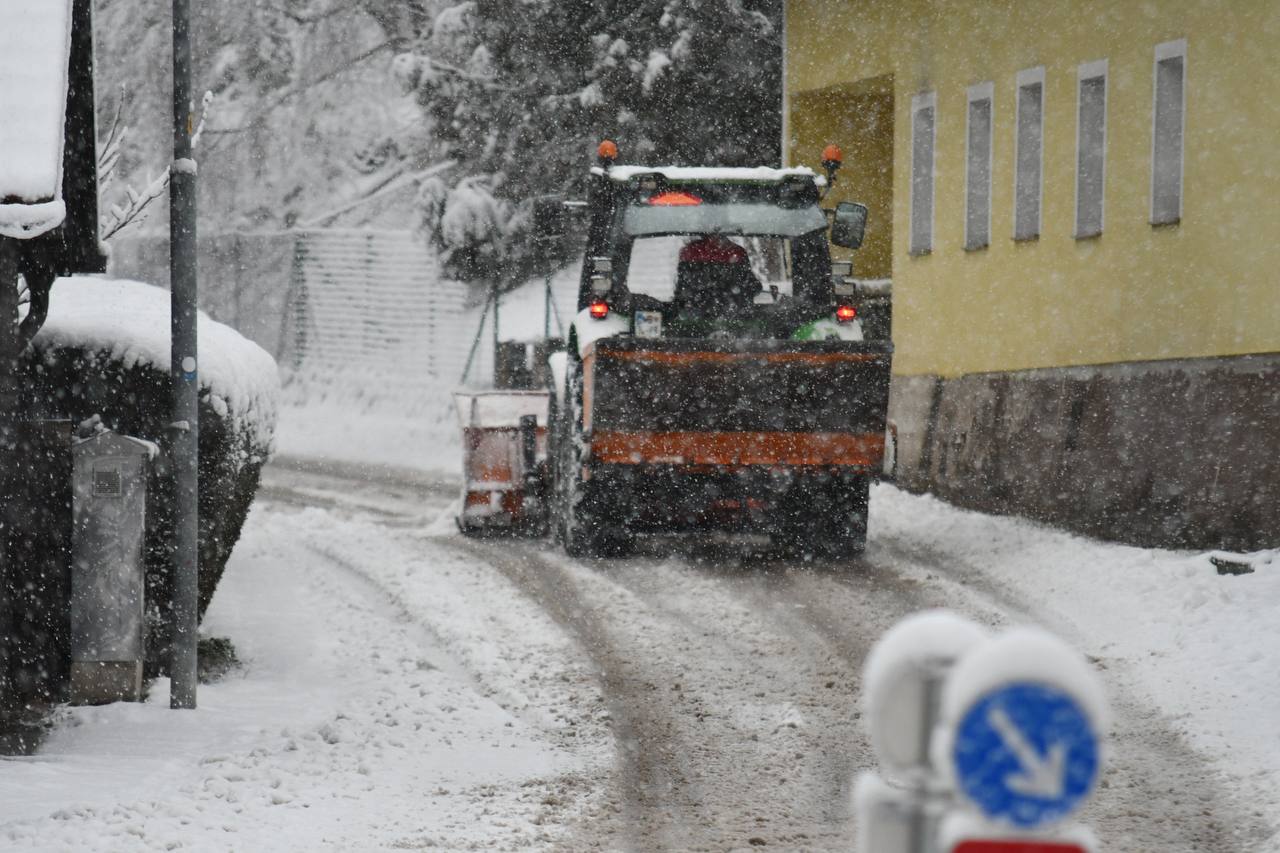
x: 130, y: 320
x: 35, y: 43
x: 711, y: 173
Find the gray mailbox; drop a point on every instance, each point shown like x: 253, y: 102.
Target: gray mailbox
x: 109, y: 495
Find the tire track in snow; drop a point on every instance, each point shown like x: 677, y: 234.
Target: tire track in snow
x: 1158, y: 793
x: 652, y: 779
x: 735, y: 715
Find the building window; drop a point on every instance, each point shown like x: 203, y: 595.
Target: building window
x: 1091, y: 147
x: 923, y: 134
x: 977, y: 173
x: 1168, y: 120
x: 1028, y: 154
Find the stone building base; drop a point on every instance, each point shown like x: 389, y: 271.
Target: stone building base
x: 1179, y: 453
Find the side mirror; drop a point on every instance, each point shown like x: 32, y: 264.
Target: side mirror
x: 550, y: 218
x: 850, y: 225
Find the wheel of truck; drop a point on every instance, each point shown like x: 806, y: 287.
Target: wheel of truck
x: 843, y: 533
x: 582, y: 522
x: 825, y: 519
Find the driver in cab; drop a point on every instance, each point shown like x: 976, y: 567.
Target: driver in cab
x: 715, y: 289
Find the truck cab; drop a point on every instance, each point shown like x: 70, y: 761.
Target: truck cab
x: 754, y: 263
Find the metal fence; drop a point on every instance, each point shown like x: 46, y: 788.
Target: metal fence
x: 363, y: 313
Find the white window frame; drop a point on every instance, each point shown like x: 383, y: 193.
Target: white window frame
x: 1176, y: 49
x: 923, y: 101
x: 978, y: 92
x: 1092, y: 71
x: 1026, y: 78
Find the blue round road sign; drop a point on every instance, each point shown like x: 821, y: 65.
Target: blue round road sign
x: 1026, y: 753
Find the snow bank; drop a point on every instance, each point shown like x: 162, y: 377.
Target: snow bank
x: 35, y: 43
x: 384, y: 704
x: 129, y: 320
x: 1199, y: 645
x: 333, y: 429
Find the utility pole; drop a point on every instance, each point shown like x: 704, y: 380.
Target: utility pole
x: 186, y: 418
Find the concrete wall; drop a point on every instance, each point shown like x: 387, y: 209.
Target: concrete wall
x: 1174, y: 454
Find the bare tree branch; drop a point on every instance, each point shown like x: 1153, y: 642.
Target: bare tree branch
x: 135, y: 212
x: 293, y: 91
x: 396, y: 182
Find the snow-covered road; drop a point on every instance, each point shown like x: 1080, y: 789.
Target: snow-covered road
x: 406, y: 688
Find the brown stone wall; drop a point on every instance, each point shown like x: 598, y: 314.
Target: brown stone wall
x: 1172, y: 453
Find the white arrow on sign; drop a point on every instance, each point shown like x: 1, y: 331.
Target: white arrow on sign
x: 1040, y: 777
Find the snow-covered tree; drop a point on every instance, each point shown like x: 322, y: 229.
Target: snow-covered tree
x: 302, y: 120
x: 518, y: 93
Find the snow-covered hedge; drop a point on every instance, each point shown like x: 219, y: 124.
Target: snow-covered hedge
x: 105, y: 350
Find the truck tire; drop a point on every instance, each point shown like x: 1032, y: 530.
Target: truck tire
x: 844, y: 531
x: 582, y: 520
x: 826, y: 519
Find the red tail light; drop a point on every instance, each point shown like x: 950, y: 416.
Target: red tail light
x: 599, y: 310
x: 845, y: 313
x: 674, y: 199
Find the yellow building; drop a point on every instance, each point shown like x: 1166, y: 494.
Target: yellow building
x: 1078, y: 202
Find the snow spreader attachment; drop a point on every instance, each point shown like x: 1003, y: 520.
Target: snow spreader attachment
x: 504, y: 446
x: 660, y: 436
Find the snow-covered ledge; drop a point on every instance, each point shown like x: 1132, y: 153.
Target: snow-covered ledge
x: 35, y: 47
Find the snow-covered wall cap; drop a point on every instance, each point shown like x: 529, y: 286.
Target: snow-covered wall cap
x: 35, y: 45
x: 24, y: 221
x: 130, y: 320
x: 149, y: 449
x: 1025, y: 654
x: 711, y: 173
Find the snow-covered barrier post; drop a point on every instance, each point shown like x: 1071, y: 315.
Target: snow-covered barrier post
x: 986, y: 744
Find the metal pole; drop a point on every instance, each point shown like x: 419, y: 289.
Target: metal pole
x: 186, y: 419
x: 546, y: 310
x: 8, y: 442
x: 495, y: 330
x: 475, y: 344
x: 922, y: 834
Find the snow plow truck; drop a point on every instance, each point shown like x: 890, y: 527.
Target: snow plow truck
x: 745, y: 392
